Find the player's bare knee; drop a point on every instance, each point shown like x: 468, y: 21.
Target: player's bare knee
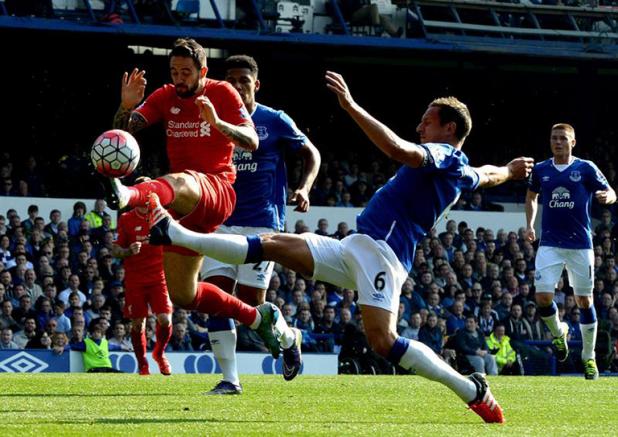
x: 186, y: 191
x: 164, y: 320
x: 137, y: 325
x: 583, y: 301
x: 544, y: 299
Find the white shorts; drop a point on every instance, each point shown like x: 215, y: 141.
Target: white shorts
x: 255, y: 275
x: 359, y: 262
x: 579, y: 263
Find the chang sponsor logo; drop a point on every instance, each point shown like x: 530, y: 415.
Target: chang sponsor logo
x: 561, y: 198
x: 243, y: 159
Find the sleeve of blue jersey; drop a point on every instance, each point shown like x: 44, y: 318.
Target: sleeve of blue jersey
x: 533, y: 181
x: 597, y: 180
x: 447, y: 159
x: 294, y: 138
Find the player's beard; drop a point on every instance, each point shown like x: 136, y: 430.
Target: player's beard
x: 190, y: 91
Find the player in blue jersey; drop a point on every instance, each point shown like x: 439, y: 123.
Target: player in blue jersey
x: 377, y: 259
x: 566, y: 184
x: 261, y: 194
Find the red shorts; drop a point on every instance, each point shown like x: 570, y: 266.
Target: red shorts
x: 214, y: 207
x: 139, y: 295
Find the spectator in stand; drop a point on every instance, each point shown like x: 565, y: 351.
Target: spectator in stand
x: 456, y: 320
x: 504, y: 307
x: 24, y: 310
x: 431, y: 334
x: 470, y: 342
x: 74, y: 223
x: 27, y: 333
x: 41, y: 340
x: 6, y: 317
x: 95, y: 216
x: 28, y: 224
x: 54, y: 220
x: 322, y: 227
x: 414, y: 326
x: 506, y: 358
x: 73, y: 287
x: 517, y: 327
x: 6, y: 339
x: 180, y: 341
x: 63, y: 322
x: 343, y: 230
x: 475, y: 203
x: 346, y: 200
x: 120, y: 338
x: 98, y: 235
x: 7, y: 188
x: 537, y: 330
x: 32, y: 288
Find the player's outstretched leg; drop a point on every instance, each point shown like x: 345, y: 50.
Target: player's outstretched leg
x: 292, y: 357
x: 413, y: 355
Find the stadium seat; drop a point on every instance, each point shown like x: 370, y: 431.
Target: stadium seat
x: 189, y: 10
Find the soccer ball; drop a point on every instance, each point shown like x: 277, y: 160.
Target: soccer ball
x: 115, y: 153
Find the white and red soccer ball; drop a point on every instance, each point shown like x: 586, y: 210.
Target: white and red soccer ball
x: 115, y: 153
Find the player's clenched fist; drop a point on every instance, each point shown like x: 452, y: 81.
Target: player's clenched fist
x: 207, y: 110
x: 605, y: 197
x: 135, y: 247
x: 520, y: 168
x: 530, y: 234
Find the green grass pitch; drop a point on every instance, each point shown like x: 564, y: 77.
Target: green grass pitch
x: 87, y: 404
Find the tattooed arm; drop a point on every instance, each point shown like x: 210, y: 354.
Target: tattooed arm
x: 129, y: 120
x: 242, y: 135
x: 132, y: 94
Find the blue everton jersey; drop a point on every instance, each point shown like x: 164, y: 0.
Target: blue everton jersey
x: 261, y: 180
x: 566, y: 197
x: 411, y: 202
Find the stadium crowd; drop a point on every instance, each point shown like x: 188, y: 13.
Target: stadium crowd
x: 469, y: 296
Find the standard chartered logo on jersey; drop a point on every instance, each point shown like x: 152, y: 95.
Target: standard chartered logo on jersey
x: 561, y: 198
x: 188, y: 129
x: 243, y: 159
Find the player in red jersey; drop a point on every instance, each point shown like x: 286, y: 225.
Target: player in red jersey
x: 204, y: 119
x: 145, y: 286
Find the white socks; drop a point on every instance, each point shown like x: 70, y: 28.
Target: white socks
x: 285, y: 335
x: 554, y: 325
x: 230, y: 249
x: 223, y: 344
x: 589, y: 340
x: 426, y: 363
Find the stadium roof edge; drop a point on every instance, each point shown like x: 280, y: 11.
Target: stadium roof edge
x: 443, y: 43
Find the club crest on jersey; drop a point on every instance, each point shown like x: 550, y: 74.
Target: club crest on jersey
x: 175, y: 110
x: 575, y: 176
x: 138, y: 228
x: 262, y: 132
x: 545, y: 178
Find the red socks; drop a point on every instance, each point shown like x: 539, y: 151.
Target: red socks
x: 139, y: 193
x: 212, y: 300
x: 163, y: 334
x: 139, y: 347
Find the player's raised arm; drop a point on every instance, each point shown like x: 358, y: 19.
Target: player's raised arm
x: 381, y: 135
x: 243, y: 135
x: 132, y: 93
x: 311, y: 158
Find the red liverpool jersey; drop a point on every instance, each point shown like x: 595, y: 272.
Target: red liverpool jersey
x: 192, y: 144
x: 147, y: 265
